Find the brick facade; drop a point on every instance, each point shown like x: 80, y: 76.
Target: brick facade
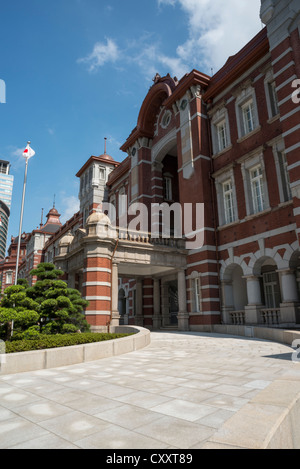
x: 228, y: 143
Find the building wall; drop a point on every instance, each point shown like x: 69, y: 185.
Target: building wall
x: 227, y: 147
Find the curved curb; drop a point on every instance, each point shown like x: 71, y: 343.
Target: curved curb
x: 268, y: 421
x: 271, y: 419
x: 22, y: 362
x: 282, y: 336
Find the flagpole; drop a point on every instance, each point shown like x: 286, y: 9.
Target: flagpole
x: 21, y: 220
x: 26, y: 155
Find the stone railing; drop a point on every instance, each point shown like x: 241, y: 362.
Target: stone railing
x: 147, y: 238
x: 238, y: 317
x: 270, y: 316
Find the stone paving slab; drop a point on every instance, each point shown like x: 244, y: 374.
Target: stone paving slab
x: 178, y: 392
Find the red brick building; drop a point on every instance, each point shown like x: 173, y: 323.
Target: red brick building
x: 225, y: 149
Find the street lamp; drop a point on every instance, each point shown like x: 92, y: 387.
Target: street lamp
x: 27, y: 154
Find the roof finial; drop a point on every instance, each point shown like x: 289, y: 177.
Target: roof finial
x: 41, y: 224
x: 54, y: 201
x: 105, y: 145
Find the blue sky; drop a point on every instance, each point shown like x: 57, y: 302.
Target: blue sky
x: 77, y: 71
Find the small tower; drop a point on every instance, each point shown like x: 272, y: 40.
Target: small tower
x: 93, y: 176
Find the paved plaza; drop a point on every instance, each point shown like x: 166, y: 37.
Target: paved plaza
x: 174, y: 394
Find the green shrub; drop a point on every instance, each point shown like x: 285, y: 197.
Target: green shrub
x: 59, y: 340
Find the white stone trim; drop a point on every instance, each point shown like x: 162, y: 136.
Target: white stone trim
x: 294, y: 147
x: 294, y: 165
x: 282, y: 85
x: 101, y: 284
x: 286, y: 67
x: 97, y: 313
x: 207, y: 261
x: 285, y: 100
x: 297, y: 211
x: 289, y: 114
x: 96, y: 298
x: 295, y: 183
x: 199, y: 114
x: 97, y: 269
x: 288, y: 132
x: 250, y: 239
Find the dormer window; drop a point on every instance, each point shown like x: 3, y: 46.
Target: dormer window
x: 247, y: 114
x: 101, y: 173
x: 220, y: 131
x: 248, y: 117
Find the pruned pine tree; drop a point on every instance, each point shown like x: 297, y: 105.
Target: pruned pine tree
x: 61, y: 308
x: 48, y: 307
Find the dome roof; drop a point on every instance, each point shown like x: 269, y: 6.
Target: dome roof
x: 98, y: 217
x: 107, y: 157
x: 67, y: 239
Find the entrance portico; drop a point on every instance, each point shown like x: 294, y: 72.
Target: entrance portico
x: 157, y: 265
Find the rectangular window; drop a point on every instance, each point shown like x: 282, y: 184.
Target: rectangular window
x: 168, y: 188
x: 271, y: 290
x: 4, y: 168
x: 285, y: 178
x: 257, y: 188
x: 102, y: 173
x: 248, y: 117
x: 228, y: 202
x: 196, y: 295
x: 222, y: 135
x: 273, y: 98
x: 9, y: 278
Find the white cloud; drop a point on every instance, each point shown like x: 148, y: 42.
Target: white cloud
x: 216, y: 30
x: 16, y: 157
x: 69, y: 205
x: 102, y: 53
x: 50, y: 130
x: 166, y: 2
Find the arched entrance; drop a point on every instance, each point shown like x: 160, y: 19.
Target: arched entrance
x: 267, y: 295
x: 235, y: 298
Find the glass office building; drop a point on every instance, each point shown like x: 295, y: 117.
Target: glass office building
x: 6, y: 188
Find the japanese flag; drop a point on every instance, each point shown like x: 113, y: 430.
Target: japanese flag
x: 28, y: 152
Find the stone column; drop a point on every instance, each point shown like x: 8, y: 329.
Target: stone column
x: 115, y: 319
x: 156, y: 304
x: 289, y: 296
x: 183, y: 315
x: 252, y: 310
x: 165, y: 307
x: 289, y: 293
x: 139, y: 320
x: 227, y: 301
